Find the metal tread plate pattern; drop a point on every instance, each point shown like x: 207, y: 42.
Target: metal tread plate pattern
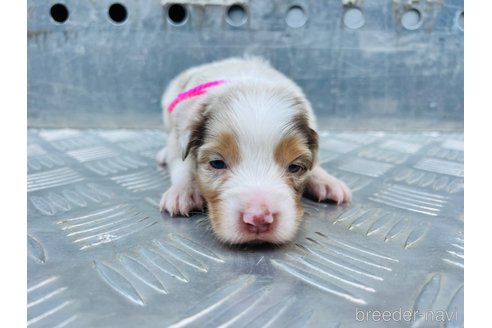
x: 101, y: 255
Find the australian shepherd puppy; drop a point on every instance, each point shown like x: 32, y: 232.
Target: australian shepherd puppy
x: 242, y: 140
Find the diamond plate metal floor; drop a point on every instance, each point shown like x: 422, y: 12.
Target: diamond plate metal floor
x: 101, y: 255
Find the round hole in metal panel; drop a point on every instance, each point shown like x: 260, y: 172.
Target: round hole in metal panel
x: 177, y: 14
x: 411, y: 19
x: 236, y: 15
x: 296, y: 17
x: 353, y: 18
x: 460, y: 21
x: 59, y: 13
x: 117, y: 12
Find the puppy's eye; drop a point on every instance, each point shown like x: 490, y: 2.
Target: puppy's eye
x: 294, y: 168
x: 218, y: 164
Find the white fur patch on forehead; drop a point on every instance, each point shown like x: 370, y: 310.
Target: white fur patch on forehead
x: 256, y: 113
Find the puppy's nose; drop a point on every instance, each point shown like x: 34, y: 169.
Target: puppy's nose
x: 257, y: 220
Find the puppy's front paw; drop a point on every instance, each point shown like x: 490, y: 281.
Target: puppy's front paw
x: 322, y: 186
x: 180, y: 200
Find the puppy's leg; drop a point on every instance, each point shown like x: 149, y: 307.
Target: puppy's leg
x: 160, y: 157
x: 322, y: 186
x: 183, y: 195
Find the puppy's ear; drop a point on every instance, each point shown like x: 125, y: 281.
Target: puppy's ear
x: 195, y: 135
x: 313, y: 140
x: 301, y: 125
x: 312, y: 143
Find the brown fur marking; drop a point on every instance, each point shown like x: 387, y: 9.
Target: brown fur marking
x: 226, y: 145
x: 213, y: 203
x: 292, y: 148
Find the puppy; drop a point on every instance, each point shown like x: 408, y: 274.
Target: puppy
x: 242, y: 137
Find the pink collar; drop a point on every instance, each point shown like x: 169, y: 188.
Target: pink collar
x: 193, y: 92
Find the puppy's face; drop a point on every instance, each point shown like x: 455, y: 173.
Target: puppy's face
x: 253, y: 149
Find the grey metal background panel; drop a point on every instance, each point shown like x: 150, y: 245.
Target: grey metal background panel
x: 101, y: 255
x: 90, y: 71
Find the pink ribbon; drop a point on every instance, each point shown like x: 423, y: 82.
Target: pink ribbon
x: 196, y: 91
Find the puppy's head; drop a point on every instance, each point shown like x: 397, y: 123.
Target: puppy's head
x: 254, y: 147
